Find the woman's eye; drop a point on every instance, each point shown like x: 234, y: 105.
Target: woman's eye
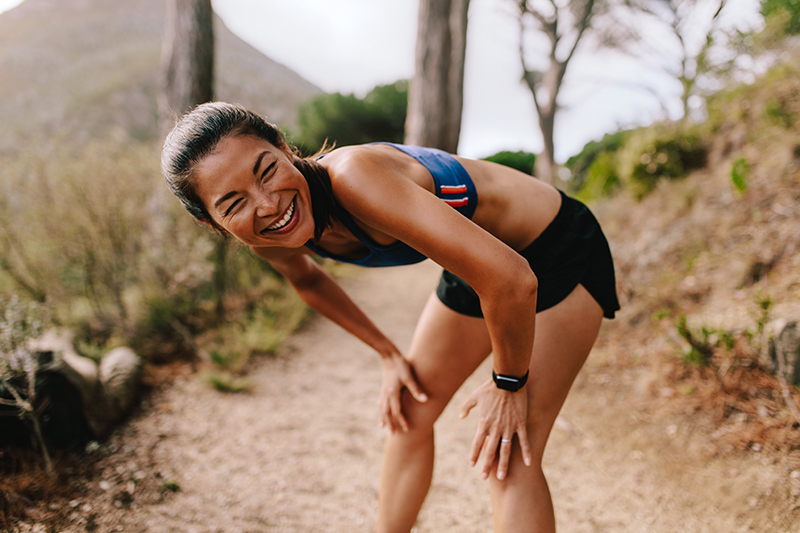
x: 232, y: 207
x: 268, y: 170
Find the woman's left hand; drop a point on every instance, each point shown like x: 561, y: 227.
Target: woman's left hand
x: 502, y: 415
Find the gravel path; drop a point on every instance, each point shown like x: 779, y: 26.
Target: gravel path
x: 302, y: 451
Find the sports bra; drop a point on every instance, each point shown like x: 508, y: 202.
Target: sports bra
x: 452, y: 184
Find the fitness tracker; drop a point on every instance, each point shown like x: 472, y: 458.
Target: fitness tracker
x: 510, y: 383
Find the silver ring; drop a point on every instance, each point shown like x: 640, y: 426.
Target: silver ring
x: 505, y: 440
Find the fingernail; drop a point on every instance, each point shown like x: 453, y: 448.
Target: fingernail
x: 472, y: 463
x: 501, y: 474
x: 527, y: 461
x: 423, y: 398
x: 484, y: 475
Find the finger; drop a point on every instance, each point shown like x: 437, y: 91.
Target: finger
x: 383, y: 412
x: 397, y: 413
x: 477, y: 445
x: 415, y: 390
x: 503, y: 457
x: 467, y: 406
x: 489, y: 455
x: 525, y: 446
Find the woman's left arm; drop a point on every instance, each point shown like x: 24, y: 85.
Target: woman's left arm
x: 374, y: 193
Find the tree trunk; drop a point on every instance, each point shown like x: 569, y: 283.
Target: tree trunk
x: 187, y: 59
x: 187, y: 77
x: 435, y: 97
x: 546, y: 84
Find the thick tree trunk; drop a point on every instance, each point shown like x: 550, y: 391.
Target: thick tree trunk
x: 435, y: 97
x: 187, y: 59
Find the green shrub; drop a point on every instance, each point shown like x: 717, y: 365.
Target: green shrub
x: 601, y: 178
x: 659, y: 152
x: 347, y: 119
x: 93, y: 231
x: 739, y: 172
x: 580, y: 164
x: 520, y: 160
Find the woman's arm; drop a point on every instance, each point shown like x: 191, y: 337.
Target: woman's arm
x: 379, y: 196
x: 323, y: 294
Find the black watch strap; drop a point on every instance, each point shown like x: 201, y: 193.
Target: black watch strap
x: 510, y: 383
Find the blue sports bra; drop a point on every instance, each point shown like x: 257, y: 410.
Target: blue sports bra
x: 453, y: 185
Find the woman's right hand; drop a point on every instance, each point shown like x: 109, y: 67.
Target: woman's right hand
x: 397, y: 375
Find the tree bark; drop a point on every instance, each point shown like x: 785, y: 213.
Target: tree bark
x: 187, y: 59
x: 435, y: 97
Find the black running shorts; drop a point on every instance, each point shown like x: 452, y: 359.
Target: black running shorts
x: 572, y: 250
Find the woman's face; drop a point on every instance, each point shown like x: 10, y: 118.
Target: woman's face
x: 253, y: 191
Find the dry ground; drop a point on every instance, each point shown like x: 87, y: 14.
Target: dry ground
x: 301, y: 452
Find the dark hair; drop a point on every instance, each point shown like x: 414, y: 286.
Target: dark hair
x: 196, y: 135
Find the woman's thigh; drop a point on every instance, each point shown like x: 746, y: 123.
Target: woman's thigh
x: 565, y: 334
x: 445, y: 350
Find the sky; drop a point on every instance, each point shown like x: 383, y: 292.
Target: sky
x: 350, y: 46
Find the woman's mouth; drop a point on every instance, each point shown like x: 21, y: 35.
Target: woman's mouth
x: 287, y: 217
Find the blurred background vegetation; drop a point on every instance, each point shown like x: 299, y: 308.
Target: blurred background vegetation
x: 87, y: 228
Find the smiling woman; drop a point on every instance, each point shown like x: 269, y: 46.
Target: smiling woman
x: 528, y: 279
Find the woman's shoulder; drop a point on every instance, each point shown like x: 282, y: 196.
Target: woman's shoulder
x: 357, y: 165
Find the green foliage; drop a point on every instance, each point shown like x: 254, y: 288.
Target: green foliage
x: 260, y: 331
x: 21, y: 322
x: 170, y: 486
x: 223, y: 381
x: 520, y: 160
x: 700, y: 345
x: 659, y: 152
x: 739, y: 172
x: 347, y: 119
x: 786, y: 13
x: 93, y: 231
x: 778, y: 113
x: 595, y: 170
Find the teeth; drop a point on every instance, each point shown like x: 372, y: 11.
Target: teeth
x: 285, y: 220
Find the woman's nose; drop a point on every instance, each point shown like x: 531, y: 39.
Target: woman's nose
x: 266, y: 207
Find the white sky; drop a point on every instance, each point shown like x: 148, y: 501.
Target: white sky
x: 350, y: 46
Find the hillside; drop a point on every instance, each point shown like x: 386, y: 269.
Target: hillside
x: 727, y: 258
x: 85, y: 68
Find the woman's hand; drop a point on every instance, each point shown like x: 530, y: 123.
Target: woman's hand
x: 397, y: 374
x: 502, y: 414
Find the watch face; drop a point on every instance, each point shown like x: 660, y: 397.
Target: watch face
x: 509, y: 383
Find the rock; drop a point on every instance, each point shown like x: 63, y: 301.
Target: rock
x: 120, y: 375
x: 784, y: 341
x: 107, y: 391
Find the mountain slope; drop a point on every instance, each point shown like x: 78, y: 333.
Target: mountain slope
x: 90, y: 67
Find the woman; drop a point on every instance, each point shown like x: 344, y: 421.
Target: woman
x: 519, y: 257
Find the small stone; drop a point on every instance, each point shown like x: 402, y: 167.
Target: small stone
x: 104, y: 485
x: 33, y: 513
x: 733, y: 472
x: 756, y: 447
x: 86, y: 508
x: 74, y: 503
x: 672, y: 430
x: 139, y: 475
x: 795, y: 474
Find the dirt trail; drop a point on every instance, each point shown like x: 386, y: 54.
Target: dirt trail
x: 302, y: 451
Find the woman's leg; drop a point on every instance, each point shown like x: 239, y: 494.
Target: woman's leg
x: 446, y: 349
x: 565, y: 334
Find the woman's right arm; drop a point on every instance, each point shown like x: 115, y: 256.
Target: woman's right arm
x: 323, y: 294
